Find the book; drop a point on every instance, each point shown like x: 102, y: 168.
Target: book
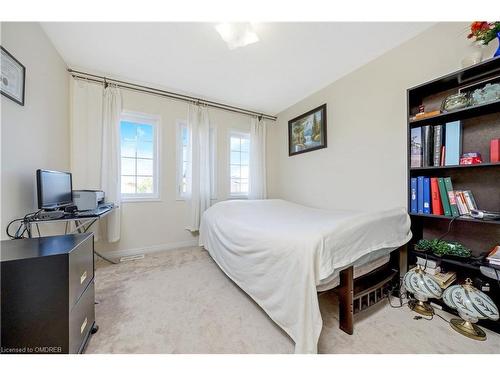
x: 443, y: 149
x: 420, y: 194
x: 451, y: 196
x: 413, y: 197
x: 469, y: 198
x: 444, y: 197
x: 427, y: 196
x: 445, y: 279
x: 453, y: 143
x: 427, y: 147
x: 438, y: 144
x: 494, y: 255
x: 416, y: 148
x: 437, y: 207
x: 463, y: 209
x: 422, y: 115
x: 495, y: 150
x: 428, y: 263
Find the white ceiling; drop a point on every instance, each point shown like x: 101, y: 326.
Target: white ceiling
x: 291, y: 61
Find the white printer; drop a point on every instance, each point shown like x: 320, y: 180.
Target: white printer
x: 85, y: 200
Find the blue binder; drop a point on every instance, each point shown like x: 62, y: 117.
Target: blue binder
x: 427, y: 195
x: 453, y: 143
x: 420, y: 194
x: 413, y: 187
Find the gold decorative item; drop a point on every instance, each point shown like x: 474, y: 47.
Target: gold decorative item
x: 423, y: 287
x: 471, y: 305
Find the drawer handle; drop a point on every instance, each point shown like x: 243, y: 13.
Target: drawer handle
x: 84, y: 324
x: 83, y: 277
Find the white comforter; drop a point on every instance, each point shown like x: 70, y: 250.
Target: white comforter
x: 278, y: 252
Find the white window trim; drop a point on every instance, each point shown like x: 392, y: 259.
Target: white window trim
x: 153, y: 120
x: 180, y: 196
x: 245, y: 134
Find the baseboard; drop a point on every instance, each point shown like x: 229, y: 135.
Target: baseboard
x: 150, y: 249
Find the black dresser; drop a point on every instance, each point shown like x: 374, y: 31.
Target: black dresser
x: 47, y: 294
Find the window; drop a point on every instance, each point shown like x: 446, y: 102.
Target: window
x: 239, y: 157
x: 139, y: 156
x: 183, y: 162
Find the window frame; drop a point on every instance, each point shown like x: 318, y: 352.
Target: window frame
x: 240, y: 133
x: 180, y: 196
x: 154, y: 121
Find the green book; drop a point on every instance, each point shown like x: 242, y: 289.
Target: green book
x: 451, y: 196
x: 444, y: 197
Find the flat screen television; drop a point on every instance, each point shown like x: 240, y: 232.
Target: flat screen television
x: 54, y: 189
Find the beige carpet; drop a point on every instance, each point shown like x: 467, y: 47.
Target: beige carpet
x: 180, y: 302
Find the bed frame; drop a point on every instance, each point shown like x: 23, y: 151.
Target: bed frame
x: 356, y: 295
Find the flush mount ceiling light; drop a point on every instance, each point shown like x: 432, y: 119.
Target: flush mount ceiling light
x: 237, y: 34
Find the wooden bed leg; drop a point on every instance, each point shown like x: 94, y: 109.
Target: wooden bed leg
x: 403, y: 260
x: 346, y: 296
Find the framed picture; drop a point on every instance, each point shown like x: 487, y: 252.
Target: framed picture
x: 307, y: 132
x: 12, y: 77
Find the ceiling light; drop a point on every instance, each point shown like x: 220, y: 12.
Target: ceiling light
x: 237, y: 34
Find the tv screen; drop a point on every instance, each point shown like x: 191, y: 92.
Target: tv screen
x: 54, y: 189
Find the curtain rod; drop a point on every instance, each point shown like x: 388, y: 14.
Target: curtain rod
x: 168, y: 94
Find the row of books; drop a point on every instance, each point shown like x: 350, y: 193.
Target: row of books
x: 435, y: 195
x: 435, y: 146
x: 433, y: 268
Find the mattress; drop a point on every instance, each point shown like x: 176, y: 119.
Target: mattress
x: 279, y: 252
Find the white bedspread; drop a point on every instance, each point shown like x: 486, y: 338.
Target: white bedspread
x: 278, y: 251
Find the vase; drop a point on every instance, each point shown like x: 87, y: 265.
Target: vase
x: 497, y: 53
x: 475, y: 57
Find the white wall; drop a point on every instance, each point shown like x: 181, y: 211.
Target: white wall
x: 35, y: 135
x: 160, y: 224
x: 364, y: 165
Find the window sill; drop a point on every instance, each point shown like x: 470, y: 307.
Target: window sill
x: 238, y: 196
x: 139, y: 200
x: 183, y: 199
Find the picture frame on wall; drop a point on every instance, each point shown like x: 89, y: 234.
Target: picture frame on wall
x: 307, y: 132
x: 12, y: 77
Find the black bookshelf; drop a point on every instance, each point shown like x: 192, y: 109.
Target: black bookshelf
x: 480, y: 124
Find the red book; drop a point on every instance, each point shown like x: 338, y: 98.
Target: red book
x: 437, y: 207
x: 495, y: 150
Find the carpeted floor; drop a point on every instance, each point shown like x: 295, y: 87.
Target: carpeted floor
x: 179, y: 301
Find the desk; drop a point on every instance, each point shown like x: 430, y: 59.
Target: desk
x: 82, y: 221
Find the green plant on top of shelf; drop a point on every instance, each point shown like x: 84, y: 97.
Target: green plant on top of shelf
x: 443, y: 248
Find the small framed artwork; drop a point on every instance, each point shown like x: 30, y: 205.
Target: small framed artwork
x: 12, y: 77
x: 307, y: 132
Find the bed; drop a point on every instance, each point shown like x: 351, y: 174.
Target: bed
x: 281, y: 253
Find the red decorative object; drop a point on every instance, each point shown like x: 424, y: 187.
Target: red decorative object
x: 495, y: 150
x: 470, y: 160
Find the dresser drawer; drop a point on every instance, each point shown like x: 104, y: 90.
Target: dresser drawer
x: 81, y: 319
x: 81, y: 269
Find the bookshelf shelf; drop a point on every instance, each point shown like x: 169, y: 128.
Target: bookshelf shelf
x: 481, y: 165
x: 459, y: 114
x: 479, y: 124
x: 469, y: 219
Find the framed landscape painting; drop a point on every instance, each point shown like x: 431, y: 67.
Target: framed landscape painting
x: 307, y: 132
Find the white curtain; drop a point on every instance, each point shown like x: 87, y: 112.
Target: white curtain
x: 198, y: 176
x: 110, y: 166
x: 94, y: 147
x: 257, y: 178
